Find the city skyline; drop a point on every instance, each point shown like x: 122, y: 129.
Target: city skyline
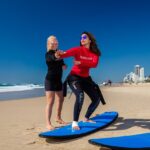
x: 121, y: 29
x: 136, y: 76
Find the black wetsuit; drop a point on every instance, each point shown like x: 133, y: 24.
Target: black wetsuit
x: 53, y: 77
x: 79, y: 85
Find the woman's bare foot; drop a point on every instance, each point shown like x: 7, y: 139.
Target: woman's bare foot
x: 75, y: 127
x: 60, y: 121
x: 50, y: 127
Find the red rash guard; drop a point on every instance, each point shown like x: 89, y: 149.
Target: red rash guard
x: 85, y: 56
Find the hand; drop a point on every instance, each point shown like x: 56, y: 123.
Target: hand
x: 77, y: 62
x: 64, y: 67
x: 59, y: 53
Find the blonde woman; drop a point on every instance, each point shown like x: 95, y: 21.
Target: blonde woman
x: 53, y: 82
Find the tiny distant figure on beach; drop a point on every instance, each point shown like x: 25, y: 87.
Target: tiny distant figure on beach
x: 86, y: 56
x: 108, y: 82
x: 53, y: 82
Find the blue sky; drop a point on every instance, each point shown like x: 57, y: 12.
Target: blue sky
x: 121, y: 27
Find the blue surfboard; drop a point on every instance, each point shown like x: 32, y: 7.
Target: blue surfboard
x: 102, y: 120
x: 136, y: 142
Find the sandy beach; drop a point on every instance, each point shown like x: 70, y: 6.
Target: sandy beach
x: 22, y: 120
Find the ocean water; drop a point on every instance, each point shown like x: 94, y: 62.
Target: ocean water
x: 20, y: 91
x: 14, y: 91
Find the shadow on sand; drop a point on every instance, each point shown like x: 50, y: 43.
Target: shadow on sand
x: 121, y: 124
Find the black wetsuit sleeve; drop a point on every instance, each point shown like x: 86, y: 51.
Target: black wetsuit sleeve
x: 50, y: 57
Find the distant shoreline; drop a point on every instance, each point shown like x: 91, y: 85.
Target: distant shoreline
x: 13, y: 95
x: 126, y: 84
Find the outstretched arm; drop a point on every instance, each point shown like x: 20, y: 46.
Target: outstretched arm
x: 69, y: 53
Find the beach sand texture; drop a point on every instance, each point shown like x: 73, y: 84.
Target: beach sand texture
x: 22, y: 120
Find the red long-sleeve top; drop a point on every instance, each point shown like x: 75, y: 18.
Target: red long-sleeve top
x: 87, y: 59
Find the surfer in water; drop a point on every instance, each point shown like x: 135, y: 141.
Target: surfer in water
x: 53, y: 82
x: 86, y: 56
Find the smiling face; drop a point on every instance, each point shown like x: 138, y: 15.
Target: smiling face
x: 85, y: 41
x: 52, y: 43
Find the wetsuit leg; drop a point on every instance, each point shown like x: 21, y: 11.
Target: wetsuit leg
x: 77, y: 90
x: 94, y: 96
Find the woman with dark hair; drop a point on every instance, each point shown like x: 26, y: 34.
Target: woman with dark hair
x: 86, y: 56
x: 93, y: 46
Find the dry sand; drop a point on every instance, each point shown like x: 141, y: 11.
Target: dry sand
x: 22, y: 120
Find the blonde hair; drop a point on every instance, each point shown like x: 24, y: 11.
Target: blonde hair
x: 50, y: 38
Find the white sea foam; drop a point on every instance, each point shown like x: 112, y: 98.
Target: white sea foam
x: 10, y: 88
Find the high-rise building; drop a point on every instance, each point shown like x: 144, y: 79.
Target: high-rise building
x: 137, y: 70
x: 142, y: 78
x: 137, y: 76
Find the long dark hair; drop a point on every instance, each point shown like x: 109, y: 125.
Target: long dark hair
x: 93, y: 45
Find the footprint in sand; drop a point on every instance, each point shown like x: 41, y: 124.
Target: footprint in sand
x: 32, y: 128
x: 31, y: 143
